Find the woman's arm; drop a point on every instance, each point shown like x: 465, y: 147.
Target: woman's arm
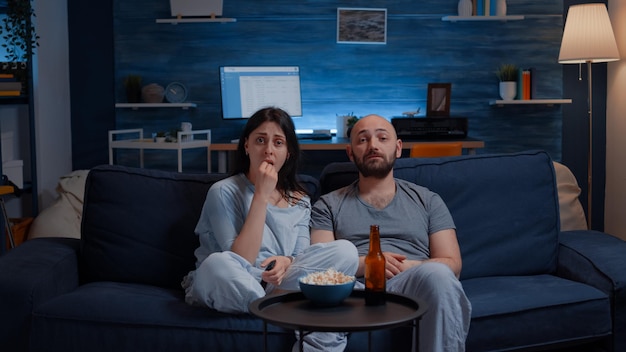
x: 248, y: 242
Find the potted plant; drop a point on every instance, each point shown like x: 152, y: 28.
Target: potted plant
x: 160, y: 137
x: 350, y: 123
x: 344, y: 124
x: 132, y: 83
x: 507, y: 74
x: 19, y: 39
x: 18, y: 31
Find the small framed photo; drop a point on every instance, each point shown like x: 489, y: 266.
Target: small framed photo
x: 361, y: 25
x: 438, y: 100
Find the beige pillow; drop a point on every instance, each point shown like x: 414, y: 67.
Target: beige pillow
x: 571, y: 211
x: 62, y: 219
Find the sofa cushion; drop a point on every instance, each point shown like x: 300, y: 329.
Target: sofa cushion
x: 511, y: 312
x: 138, y: 224
x: 107, y: 316
x: 515, y: 229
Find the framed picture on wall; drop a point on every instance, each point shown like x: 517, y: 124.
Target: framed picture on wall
x: 438, y: 100
x: 361, y: 25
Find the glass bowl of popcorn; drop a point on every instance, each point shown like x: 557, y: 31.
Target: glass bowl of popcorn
x: 327, y: 288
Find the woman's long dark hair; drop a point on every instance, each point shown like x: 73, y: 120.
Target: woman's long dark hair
x: 287, y: 181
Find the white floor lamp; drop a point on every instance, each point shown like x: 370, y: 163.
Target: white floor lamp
x: 588, y: 38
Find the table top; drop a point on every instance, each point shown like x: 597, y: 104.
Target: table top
x: 341, y: 144
x: 296, y: 312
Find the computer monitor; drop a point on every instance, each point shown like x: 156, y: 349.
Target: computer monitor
x: 246, y: 89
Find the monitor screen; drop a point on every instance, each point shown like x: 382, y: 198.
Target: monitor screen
x: 246, y: 89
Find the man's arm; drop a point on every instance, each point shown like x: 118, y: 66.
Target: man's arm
x: 321, y: 236
x: 444, y: 248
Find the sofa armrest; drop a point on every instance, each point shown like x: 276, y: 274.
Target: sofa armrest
x: 31, y: 274
x: 598, y: 259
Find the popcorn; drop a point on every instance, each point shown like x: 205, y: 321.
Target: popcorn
x: 328, y: 277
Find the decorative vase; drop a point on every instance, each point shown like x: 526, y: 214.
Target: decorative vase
x: 508, y: 90
x: 465, y: 8
x: 342, y: 126
x: 152, y: 93
x: 501, y: 8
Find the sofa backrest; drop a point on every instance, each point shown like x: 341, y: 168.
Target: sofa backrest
x: 138, y: 224
x: 505, y: 207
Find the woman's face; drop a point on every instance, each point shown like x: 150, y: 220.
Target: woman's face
x: 267, y: 143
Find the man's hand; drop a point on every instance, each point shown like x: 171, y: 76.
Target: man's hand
x: 396, y: 263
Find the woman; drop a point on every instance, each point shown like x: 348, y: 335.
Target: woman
x: 259, y: 215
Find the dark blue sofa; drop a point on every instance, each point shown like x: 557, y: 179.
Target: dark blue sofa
x: 118, y: 288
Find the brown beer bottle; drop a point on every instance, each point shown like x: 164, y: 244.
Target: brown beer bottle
x: 375, y: 281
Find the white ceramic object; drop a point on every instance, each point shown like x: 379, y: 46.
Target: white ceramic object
x: 342, y: 126
x: 501, y: 8
x: 508, y: 90
x: 465, y: 8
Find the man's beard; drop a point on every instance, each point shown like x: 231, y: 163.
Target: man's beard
x: 374, y: 168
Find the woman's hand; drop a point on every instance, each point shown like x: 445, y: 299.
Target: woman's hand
x: 276, y: 274
x: 266, y: 180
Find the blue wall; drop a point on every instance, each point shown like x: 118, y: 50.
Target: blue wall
x: 109, y: 39
x: 340, y: 78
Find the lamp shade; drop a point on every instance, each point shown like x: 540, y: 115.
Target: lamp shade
x: 588, y: 36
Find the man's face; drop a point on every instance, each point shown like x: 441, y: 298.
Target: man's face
x: 374, y: 146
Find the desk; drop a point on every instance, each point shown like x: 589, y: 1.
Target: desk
x: 335, y: 143
x: 184, y: 140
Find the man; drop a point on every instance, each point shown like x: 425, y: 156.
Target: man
x: 417, y: 233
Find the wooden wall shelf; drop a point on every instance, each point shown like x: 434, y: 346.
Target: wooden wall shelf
x: 482, y: 18
x: 136, y: 106
x: 196, y: 20
x: 530, y: 102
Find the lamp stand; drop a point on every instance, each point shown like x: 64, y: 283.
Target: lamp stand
x: 590, y: 151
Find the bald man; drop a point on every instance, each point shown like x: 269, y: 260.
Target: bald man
x: 417, y: 233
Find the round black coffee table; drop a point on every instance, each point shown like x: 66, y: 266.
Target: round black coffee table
x: 294, y: 311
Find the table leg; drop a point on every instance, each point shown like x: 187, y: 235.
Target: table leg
x: 264, y: 336
x: 369, y: 341
x: 301, y: 342
x: 208, y: 159
x: 416, y: 328
x: 180, y: 160
x: 222, y: 161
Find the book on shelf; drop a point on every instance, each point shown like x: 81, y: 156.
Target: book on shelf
x: 10, y: 93
x: 4, y: 86
x: 526, y: 84
x: 7, y: 76
x: 520, y: 84
x: 493, y: 7
x: 484, y: 7
x: 533, y: 83
x: 524, y: 79
x: 480, y: 7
